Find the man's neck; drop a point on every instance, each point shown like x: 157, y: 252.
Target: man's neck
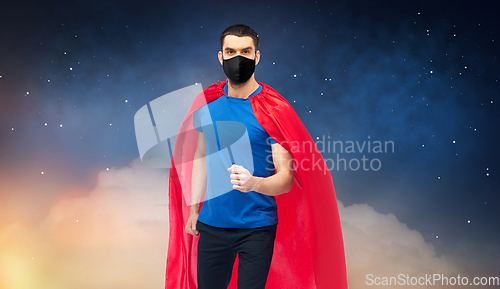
x: 242, y: 90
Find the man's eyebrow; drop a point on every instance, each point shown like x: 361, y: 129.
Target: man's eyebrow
x: 246, y: 48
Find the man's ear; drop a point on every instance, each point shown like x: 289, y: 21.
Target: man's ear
x: 220, y: 57
x: 257, y: 57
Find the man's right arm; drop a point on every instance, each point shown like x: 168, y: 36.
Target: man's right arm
x: 198, y: 184
x: 199, y: 174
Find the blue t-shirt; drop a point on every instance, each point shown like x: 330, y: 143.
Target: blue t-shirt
x: 232, y: 133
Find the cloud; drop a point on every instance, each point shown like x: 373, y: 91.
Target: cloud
x: 126, y: 207
x: 383, y: 246
x: 114, y: 236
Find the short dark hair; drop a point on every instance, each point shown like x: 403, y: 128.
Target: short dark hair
x: 240, y: 30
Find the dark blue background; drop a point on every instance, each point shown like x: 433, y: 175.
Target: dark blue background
x: 422, y: 74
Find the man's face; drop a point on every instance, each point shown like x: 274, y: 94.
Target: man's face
x: 234, y: 45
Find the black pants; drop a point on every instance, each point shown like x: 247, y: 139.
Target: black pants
x: 217, y: 249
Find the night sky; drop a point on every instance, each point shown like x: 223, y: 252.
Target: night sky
x: 423, y: 75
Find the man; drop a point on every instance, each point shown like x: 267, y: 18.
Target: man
x: 253, y: 211
x: 241, y: 224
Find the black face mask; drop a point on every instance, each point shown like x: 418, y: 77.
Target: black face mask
x: 238, y: 69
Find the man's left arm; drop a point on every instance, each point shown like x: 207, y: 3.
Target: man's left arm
x: 279, y: 183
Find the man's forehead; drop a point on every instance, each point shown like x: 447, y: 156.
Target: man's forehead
x: 237, y: 42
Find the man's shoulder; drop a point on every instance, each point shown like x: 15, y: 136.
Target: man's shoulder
x: 215, y: 88
x: 272, y: 95
x: 210, y: 93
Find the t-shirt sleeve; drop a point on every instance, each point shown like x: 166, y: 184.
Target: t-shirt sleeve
x: 271, y: 140
x: 197, y: 122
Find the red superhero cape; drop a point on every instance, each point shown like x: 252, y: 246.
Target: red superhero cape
x: 309, y: 248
